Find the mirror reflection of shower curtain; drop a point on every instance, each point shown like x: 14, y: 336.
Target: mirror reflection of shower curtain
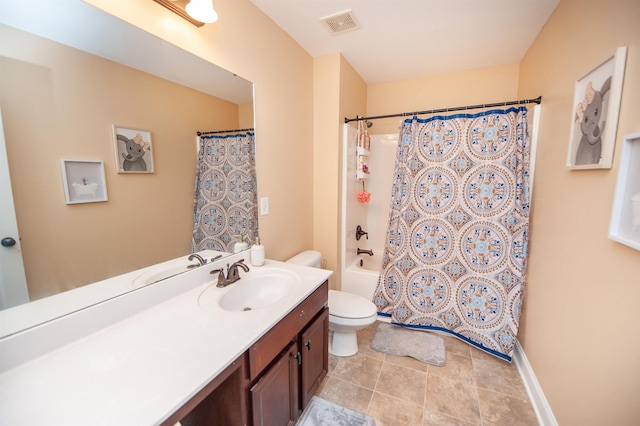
x: 225, y: 198
x: 456, y: 246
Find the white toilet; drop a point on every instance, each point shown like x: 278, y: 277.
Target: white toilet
x: 348, y: 312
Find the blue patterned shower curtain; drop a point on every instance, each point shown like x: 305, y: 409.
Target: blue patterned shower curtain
x: 456, y: 246
x: 225, y: 192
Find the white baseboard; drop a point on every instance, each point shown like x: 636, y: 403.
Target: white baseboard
x: 538, y: 400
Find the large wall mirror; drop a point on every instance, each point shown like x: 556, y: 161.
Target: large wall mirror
x: 69, y: 74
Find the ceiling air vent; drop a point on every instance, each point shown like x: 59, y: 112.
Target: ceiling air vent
x: 340, y: 23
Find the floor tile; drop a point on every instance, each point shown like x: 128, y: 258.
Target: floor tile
x: 358, y: 369
x: 365, y: 337
x: 456, y: 346
x: 403, y: 383
x: 407, y: 361
x: 453, y: 398
x: 473, y: 389
x: 458, y: 367
x: 500, y: 376
x: 333, y: 361
x: 498, y: 409
x: 347, y: 394
x: 389, y: 411
x: 431, y: 418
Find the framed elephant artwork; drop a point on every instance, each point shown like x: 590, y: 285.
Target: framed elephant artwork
x: 134, y: 151
x: 596, y: 105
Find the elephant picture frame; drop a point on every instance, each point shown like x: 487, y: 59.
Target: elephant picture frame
x: 133, y: 149
x: 594, y: 117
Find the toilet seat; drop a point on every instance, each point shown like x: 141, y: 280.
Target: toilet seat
x: 350, y: 306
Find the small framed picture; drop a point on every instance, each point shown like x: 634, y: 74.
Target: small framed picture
x: 134, y: 151
x: 83, y: 181
x: 596, y: 105
x: 625, y: 216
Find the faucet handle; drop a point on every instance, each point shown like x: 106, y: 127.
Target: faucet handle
x: 221, y: 279
x: 360, y: 233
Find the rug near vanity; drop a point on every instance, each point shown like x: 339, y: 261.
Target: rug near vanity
x: 321, y: 412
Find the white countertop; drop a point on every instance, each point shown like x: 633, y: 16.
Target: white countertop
x: 142, y: 369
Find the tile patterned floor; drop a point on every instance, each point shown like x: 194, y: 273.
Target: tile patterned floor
x: 474, y: 388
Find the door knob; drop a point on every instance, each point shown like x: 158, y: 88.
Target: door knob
x: 8, y: 242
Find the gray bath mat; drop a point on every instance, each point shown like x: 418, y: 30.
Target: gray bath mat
x: 321, y: 412
x: 421, y: 345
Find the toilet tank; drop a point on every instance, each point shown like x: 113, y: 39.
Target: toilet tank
x: 307, y: 258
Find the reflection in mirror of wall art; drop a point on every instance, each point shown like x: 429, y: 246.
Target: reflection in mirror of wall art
x: 133, y: 149
x: 596, y: 104
x: 83, y: 181
x: 625, y: 217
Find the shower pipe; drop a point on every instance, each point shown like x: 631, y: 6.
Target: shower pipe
x: 224, y: 131
x: 537, y: 100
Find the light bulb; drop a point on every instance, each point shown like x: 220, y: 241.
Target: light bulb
x: 202, y: 10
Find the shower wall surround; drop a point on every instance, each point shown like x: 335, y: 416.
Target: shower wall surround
x: 372, y: 216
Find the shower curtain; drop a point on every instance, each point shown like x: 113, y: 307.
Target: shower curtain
x: 456, y: 246
x: 225, y: 199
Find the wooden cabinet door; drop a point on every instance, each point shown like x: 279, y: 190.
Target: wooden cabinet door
x: 274, y: 399
x: 315, y: 358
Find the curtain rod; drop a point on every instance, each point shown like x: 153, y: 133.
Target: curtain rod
x: 225, y: 131
x: 461, y: 108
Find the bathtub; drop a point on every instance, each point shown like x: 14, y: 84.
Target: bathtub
x: 362, y: 280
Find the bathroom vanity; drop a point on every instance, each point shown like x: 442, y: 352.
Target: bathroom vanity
x: 273, y: 381
x: 184, y: 358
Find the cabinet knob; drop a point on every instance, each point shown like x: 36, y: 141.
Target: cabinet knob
x: 308, y: 345
x: 298, y: 357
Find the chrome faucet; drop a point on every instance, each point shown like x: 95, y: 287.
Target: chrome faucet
x: 369, y: 252
x: 201, y: 261
x: 232, y: 273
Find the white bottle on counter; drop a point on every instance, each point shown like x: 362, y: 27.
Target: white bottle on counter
x: 257, y: 253
x: 240, y: 245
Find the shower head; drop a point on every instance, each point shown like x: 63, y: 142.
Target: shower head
x: 368, y: 124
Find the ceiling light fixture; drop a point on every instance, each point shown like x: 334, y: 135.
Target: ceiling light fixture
x: 202, y: 10
x: 198, y: 12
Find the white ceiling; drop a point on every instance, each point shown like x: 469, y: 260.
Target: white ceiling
x: 400, y: 39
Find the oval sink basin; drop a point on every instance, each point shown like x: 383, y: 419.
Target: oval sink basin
x: 253, y: 291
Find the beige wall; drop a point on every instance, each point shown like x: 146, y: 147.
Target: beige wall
x: 339, y: 92
x: 326, y: 100
x: 59, y: 102
x: 353, y: 101
x: 486, y: 85
x: 580, y: 327
x: 249, y: 44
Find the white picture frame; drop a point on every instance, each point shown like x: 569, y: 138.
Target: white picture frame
x: 133, y: 149
x: 594, y: 117
x: 83, y: 181
x: 625, y: 216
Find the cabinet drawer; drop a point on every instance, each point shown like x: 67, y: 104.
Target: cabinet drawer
x: 265, y: 350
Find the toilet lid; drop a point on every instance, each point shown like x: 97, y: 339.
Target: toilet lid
x: 349, y: 305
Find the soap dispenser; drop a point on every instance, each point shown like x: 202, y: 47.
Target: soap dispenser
x: 257, y: 253
x: 240, y: 245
